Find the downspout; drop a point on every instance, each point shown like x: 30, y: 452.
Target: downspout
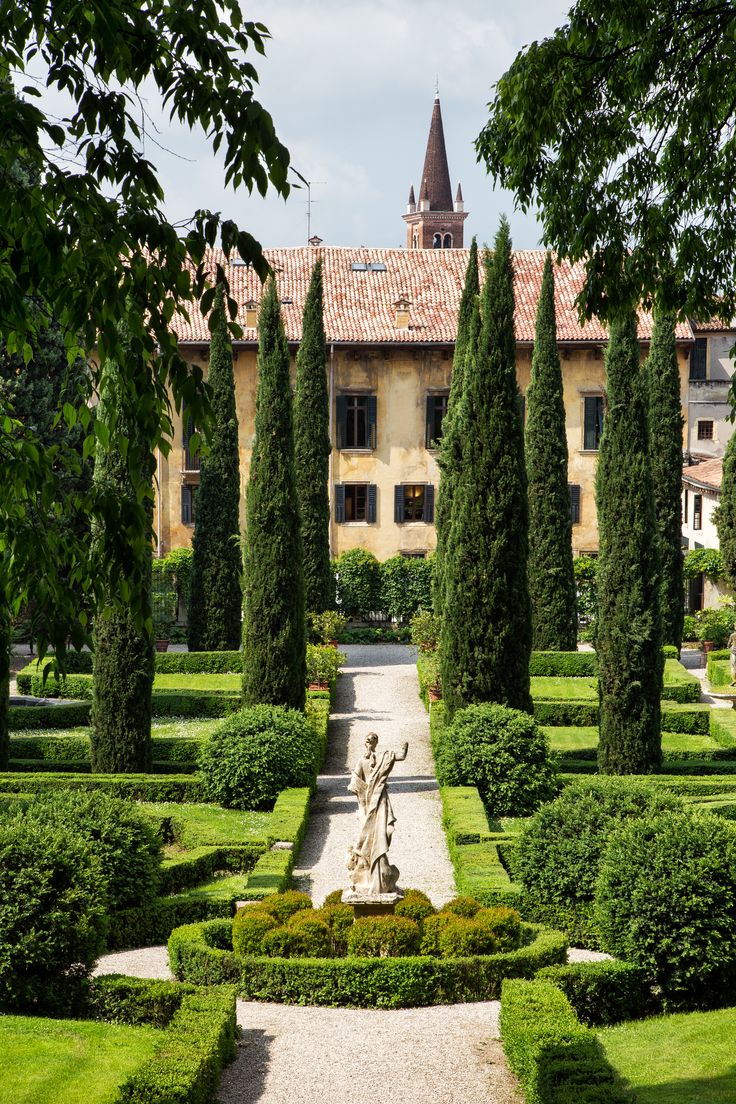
x: 330, y: 488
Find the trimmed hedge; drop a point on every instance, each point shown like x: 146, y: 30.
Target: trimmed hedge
x: 48, y: 748
x: 194, y: 703
x: 556, y: 1058
x: 679, y: 684
x: 201, y: 953
x: 63, y: 715
x: 718, y: 667
x: 201, y: 863
x: 604, y: 992
x: 464, y: 816
x: 564, y: 664
x: 289, y: 818
x: 139, y: 787
x: 474, y: 850
x: 689, y: 717
x: 723, y: 727
x: 199, y: 663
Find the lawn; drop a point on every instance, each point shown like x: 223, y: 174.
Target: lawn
x: 683, y: 1059
x: 200, y: 825
x: 547, y: 688
x: 227, y: 683
x: 69, y: 1061
x: 563, y: 738
x: 180, y: 727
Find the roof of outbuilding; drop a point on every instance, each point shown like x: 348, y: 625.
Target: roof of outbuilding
x: 360, y: 304
x: 709, y: 473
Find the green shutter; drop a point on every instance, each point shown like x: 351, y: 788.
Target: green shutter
x: 372, y: 411
x: 339, y: 502
x: 341, y: 420
x: 371, y: 503
x: 429, y: 504
x: 574, y: 490
x: 398, y: 503
x: 429, y: 422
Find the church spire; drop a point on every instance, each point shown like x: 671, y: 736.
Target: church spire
x: 436, y: 222
x: 436, y: 172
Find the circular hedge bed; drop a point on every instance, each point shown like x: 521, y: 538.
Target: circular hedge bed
x: 284, y: 950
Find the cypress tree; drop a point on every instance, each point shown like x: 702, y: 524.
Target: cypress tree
x: 725, y: 514
x: 312, y: 451
x: 486, y: 628
x: 216, y: 601
x: 450, y: 445
x: 551, y: 576
x: 5, y: 644
x: 274, y: 666
x: 628, y: 640
x: 665, y: 455
x: 124, y: 653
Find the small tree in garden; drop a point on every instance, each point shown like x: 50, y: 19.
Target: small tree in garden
x: 274, y: 669
x: 216, y: 601
x: 725, y: 514
x: 123, y: 646
x: 665, y: 452
x: 450, y: 448
x: 312, y: 451
x: 628, y: 639
x: 358, y: 574
x: 551, y: 577
x: 486, y: 626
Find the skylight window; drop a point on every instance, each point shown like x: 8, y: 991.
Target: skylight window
x: 359, y: 266
x: 377, y: 266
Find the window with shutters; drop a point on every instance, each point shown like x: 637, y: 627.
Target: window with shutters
x: 574, y: 490
x: 414, y: 502
x: 192, y: 460
x: 436, y: 411
x: 188, y: 501
x: 355, y: 502
x: 699, y: 359
x: 697, y: 511
x: 592, y: 422
x: 356, y: 421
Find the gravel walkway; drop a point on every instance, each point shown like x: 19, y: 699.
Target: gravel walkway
x: 378, y: 691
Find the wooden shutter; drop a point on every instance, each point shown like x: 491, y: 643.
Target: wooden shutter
x: 187, y: 424
x: 398, y: 503
x: 429, y: 504
x: 186, y: 505
x: 339, y: 502
x: 341, y: 420
x: 371, y: 502
x: 429, y: 422
x: 574, y: 490
x: 372, y: 411
x: 591, y: 423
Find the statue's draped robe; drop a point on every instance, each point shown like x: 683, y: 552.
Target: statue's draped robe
x: 373, y: 872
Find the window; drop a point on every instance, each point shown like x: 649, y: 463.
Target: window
x: 414, y: 502
x: 574, y: 490
x: 413, y: 555
x: 355, y: 502
x: 685, y: 497
x: 436, y: 410
x: 447, y: 241
x: 191, y: 459
x: 437, y: 241
x: 188, y: 503
x: 697, y: 511
x: 705, y: 430
x: 356, y: 421
x: 593, y: 422
x: 699, y: 359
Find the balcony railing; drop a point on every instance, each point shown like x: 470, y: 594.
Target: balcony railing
x: 192, y: 461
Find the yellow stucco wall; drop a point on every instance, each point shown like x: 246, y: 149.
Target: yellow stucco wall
x: 400, y: 378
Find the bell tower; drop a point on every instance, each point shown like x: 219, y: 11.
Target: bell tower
x: 436, y: 222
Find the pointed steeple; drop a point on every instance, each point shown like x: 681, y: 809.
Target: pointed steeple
x: 436, y: 173
x: 411, y: 196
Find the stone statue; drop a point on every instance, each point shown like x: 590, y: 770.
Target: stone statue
x: 370, y: 871
x: 732, y: 655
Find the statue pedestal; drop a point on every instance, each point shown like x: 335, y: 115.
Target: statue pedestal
x: 371, y: 904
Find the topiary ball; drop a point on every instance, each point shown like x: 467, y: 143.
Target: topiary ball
x: 561, y: 848
x: 339, y: 919
x: 250, y: 925
x: 461, y: 938
x: 282, y: 906
x: 416, y: 905
x: 383, y: 937
x: 462, y: 906
x: 504, y: 923
x: 313, y: 934
x: 666, y: 901
x: 255, y: 754
x: 504, y: 753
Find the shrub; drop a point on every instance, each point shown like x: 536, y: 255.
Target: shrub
x: 504, y: 753
x: 323, y: 663
x: 313, y: 934
x: 334, y: 898
x: 689, y: 628
x: 425, y: 631
x: 325, y: 628
x: 125, y: 843
x: 505, y: 923
x: 406, y: 586
x: 281, y: 943
x: 604, y: 992
x: 250, y: 925
x: 462, y: 906
x: 416, y: 905
x: 282, y: 906
x: 339, y: 920
x: 52, y: 918
x: 715, y: 624
x: 383, y: 937
x: 666, y: 900
x: 256, y: 753
x: 358, y: 582
x: 459, y: 937
x: 561, y: 848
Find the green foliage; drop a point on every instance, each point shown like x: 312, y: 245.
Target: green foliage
x: 702, y: 561
x: 604, y: 992
x: 665, y: 455
x: 323, y: 663
x: 486, y: 623
x: 563, y: 664
x: 462, y: 906
x: 415, y: 905
x: 561, y: 848
x: 383, y: 937
x: 665, y: 900
x: 174, y: 572
x: 504, y: 753
x: 283, y: 906
x: 450, y: 457
x: 716, y: 623
x: 215, y: 603
x: 325, y: 628
x: 725, y: 515
x: 273, y: 612
x: 585, y: 569
x: 628, y: 640
x: 212, y: 663
x: 556, y: 1059
x: 358, y: 582
x: 312, y: 934
x: 425, y: 631
x: 406, y: 587
x: 689, y: 628
x: 249, y: 927
x: 140, y: 787
x: 551, y: 579
x: 256, y: 753
x: 312, y: 450
x: 52, y: 923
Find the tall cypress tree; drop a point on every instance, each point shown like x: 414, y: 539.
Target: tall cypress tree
x: 312, y: 450
x: 551, y: 576
x: 628, y: 641
x: 486, y: 629
x: 274, y: 666
x: 725, y: 514
x: 123, y: 650
x: 451, y: 443
x: 216, y: 600
x: 665, y: 455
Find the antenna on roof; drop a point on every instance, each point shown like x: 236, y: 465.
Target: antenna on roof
x: 437, y: 85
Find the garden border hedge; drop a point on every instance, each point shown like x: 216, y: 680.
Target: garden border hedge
x: 138, y: 787
x: 688, y: 717
x: 604, y: 992
x: 198, y: 953
x: 474, y: 849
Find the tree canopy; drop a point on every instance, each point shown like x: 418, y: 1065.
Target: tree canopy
x: 619, y: 127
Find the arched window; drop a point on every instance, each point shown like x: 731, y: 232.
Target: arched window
x: 415, y: 241
x: 437, y: 241
x: 447, y: 242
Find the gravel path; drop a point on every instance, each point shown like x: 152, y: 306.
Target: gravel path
x: 378, y: 691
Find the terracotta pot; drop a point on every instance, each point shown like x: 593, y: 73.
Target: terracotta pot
x: 707, y: 645
x: 434, y: 693
x: 319, y: 685
x: 162, y: 645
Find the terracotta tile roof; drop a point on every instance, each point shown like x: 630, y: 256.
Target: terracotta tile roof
x: 359, y: 305
x: 709, y: 473
x: 713, y: 325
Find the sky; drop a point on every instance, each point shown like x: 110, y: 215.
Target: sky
x: 350, y: 86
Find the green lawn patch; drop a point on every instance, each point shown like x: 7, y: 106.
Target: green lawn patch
x: 546, y: 688
x: 69, y: 1061
x: 202, y: 824
x: 230, y: 684
x: 682, y: 1059
x: 564, y: 739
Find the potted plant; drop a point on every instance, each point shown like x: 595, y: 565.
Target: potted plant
x: 434, y: 682
x: 425, y: 631
x: 714, y: 626
x: 325, y: 628
x: 164, y: 618
x: 323, y: 664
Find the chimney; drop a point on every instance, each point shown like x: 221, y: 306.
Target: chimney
x: 251, y: 314
x: 401, y: 306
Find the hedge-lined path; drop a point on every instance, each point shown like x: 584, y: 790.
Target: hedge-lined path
x: 378, y: 691
x: 444, y: 1055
